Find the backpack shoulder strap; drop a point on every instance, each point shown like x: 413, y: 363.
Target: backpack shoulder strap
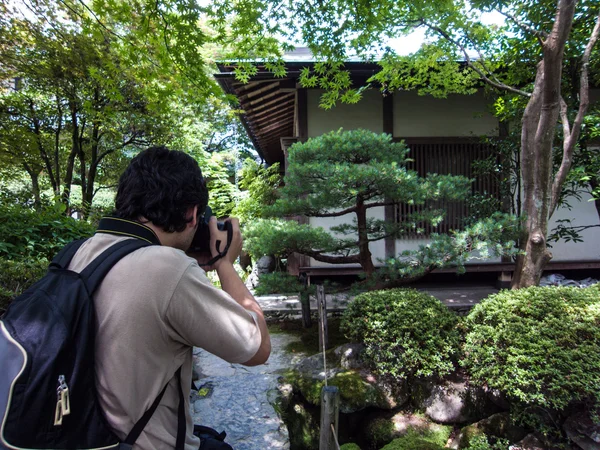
x: 64, y: 257
x: 94, y: 273
x: 129, y: 441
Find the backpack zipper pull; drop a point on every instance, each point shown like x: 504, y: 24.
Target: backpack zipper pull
x: 63, y: 404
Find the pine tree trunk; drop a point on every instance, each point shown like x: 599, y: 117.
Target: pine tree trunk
x: 366, y: 261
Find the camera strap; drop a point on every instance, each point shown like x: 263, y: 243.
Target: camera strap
x: 222, y: 253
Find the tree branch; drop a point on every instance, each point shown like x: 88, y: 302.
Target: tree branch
x: 524, y: 26
x: 347, y: 210
x: 484, y: 77
x: 572, y: 135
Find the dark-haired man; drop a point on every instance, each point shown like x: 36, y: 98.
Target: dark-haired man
x: 157, y: 303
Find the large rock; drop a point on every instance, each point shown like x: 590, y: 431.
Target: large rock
x: 265, y: 264
x: 582, y: 430
x: 359, y: 387
x: 453, y: 400
x: 498, y: 425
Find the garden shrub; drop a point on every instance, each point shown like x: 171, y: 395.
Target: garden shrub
x: 350, y: 446
x: 29, y: 234
x: 17, y: 276
x: 406, y: 333
x: 540, y: 346
x: 279, y: 283
x: 480, y: 442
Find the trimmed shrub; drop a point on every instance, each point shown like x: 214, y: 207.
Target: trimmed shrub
x: 17, y: 276
x: 540, y: 346
x: 406, y: 333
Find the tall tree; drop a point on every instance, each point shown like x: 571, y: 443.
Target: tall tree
x: 88, y: 100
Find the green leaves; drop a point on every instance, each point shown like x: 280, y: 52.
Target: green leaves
x: 539, y: 346
x: 406, y: 333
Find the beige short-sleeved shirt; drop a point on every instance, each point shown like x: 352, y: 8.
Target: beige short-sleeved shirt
x: 152, y: 307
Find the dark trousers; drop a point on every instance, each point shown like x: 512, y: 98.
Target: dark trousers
x: 210, y: 439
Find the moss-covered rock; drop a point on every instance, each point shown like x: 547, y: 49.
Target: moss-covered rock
x: 412, y: 441
x: 452, y: 400
x: 380, y: 428
x: 303, y: 426
x: 498, y: 426
x: 359, y: 388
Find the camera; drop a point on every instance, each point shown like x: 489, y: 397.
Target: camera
x: 201, y: 241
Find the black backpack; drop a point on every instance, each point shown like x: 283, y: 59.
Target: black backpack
x: 48, y: 393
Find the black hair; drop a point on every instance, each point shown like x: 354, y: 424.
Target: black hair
x: 160, y: 185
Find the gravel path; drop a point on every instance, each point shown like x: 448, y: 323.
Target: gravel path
x: 234, y: 398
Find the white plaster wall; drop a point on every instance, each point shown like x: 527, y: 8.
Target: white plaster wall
x: 367, y: 114
x: 582, y: 213
x: 457, y: 115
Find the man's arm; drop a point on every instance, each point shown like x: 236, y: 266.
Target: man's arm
x: 235, y: 287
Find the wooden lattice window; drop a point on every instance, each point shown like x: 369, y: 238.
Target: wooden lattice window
x: 448, y: 156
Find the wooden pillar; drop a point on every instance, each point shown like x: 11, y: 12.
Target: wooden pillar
x: 390, y: 210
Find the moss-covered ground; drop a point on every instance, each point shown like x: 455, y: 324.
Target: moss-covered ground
x: 309, y: 337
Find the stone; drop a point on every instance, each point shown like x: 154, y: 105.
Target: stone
x: 359, y: 387
x: 582, y: 430
x: 498, y: 425
x: 452, y: 400
x: 350, y: 355
x: 529, y: 442
x: 381, y: 427
x: 265, y: 264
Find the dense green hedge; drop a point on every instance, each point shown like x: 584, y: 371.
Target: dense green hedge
x: 17, y: 276
x: 406, y: 332
x: 29, y: 234
x: 28, y: 241
x: 540, y: 345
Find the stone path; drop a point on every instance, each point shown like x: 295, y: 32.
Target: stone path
x: 234, y: 398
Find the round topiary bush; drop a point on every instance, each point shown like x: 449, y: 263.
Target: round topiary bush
x: 406, y: 333
x: 540, y: 346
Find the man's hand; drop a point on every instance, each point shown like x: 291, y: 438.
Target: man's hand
x: 235, y: 247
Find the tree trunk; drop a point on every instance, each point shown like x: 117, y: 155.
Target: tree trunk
x: 364, y: 253
x: 35, y: 185
x: 538, y: 130
x: 74, y: 152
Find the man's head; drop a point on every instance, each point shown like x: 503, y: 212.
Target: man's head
x: 161, y: 186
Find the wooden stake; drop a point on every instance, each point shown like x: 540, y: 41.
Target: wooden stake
x: 322, y: 308
x: 330, y: 411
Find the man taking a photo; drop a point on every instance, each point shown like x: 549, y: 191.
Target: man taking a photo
x: 156, y: 303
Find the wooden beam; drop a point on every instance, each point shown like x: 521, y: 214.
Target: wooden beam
x: 268, y: 112
x: 278, y: 118
x: 257, y: 92
x: 275, y: 126
x: 261, y: 106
